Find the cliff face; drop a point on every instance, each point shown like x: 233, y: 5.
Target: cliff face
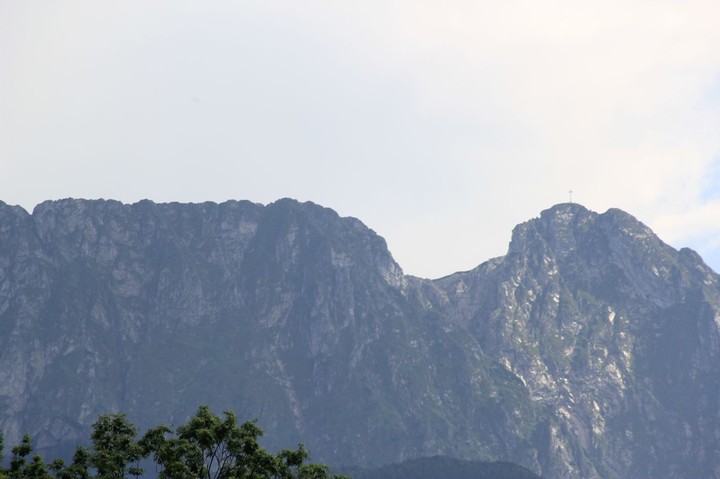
x: 614, y: 334
x: 589, y: 350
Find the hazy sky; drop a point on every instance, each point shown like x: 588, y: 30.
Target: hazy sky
x: 441, y: 125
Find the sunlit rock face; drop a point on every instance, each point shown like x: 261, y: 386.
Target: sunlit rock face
x: 590, y: 350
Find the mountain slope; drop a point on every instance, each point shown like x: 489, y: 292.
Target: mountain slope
x: 589, y: 350
x: 439, y: 467
x: 615, y: 335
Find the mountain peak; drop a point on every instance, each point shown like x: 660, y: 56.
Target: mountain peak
x: 560, y: 226
x: 562, y: 209
x: 556, y: 228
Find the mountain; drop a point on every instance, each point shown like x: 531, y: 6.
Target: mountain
x: 589, y: 350
x: 614, y: 334
x: 439, y: 467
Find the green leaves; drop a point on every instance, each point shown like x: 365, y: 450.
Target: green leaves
x: 20, y: 469
x: 207, y: 447
x: 211, y: 447
x: 116, y: 454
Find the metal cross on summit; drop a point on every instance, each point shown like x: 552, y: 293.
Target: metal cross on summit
x: 570, y: 195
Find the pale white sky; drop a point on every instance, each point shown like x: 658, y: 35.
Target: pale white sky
x: 441, y: 125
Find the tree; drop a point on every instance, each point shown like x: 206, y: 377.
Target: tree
x: 19, y: 467
x: 115, y: 452
x: 37, y: 469
x: 211, y: 447
x: 78, y: 469
x: 207, y: 447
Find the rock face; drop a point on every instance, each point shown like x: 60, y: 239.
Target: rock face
x: 590, y: 350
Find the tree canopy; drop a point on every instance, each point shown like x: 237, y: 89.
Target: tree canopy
x: 207, y: 447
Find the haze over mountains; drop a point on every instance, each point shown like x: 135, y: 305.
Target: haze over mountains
x: 590, y: 349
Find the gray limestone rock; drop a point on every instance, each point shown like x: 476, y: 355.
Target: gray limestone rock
x: 590, y: 350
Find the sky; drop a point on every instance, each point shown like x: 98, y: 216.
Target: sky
x: 440, y: 125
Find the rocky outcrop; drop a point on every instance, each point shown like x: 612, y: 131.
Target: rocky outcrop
x: 589, y: 350
x: 615, y: 336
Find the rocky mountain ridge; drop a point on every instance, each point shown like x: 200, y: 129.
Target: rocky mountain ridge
x: 589, y: 350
